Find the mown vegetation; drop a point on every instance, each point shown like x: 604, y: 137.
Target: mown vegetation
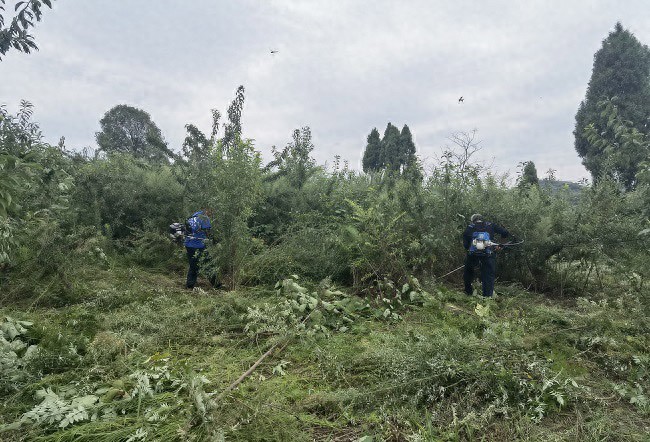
x: 336, y: 271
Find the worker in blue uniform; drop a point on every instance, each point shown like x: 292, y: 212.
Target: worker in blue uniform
x: 198, y: 228
x: 481, y: 252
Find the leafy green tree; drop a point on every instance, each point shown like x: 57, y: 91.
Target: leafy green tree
x: 197, y: 145
x: 233, y: 129
x: 18, y: 134
x: 34, y: 174
x: 294, y: 161
x: 34, y: 183
x: 235, y: 192
x: 624, y: 155
x: 622, y: 69
x: 16, y: 35
x: 128, y: 129
x: 371, y: 155
x: 224, y: 175
x: 528, y: 175
x: 195, y: 164
x: 15, y: 173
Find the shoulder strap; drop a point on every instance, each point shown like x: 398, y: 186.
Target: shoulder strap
x: 194, y: 224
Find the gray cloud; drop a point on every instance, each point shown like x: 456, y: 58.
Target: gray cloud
x: 343, y: 68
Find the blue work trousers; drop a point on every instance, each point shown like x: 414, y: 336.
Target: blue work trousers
x: 487, y: 270
x: 193, y: 256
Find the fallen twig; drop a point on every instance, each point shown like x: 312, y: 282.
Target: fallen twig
x: 248, y: 372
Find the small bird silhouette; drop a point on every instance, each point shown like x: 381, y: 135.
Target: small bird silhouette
x: 461, y: 99
x: 274, y: 51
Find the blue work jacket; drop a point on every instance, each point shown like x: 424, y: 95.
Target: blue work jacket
x: 198, y: 227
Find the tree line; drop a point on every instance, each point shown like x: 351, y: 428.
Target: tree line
x: 370, y: 230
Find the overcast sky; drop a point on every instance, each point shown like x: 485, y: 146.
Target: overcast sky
x: 343, y: 67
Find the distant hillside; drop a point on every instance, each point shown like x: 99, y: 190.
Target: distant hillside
x: 557, y: 185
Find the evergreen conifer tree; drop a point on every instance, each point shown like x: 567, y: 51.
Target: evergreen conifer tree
x: 407, y: 148
x: 621, y: 69
x: 370, y: 162
x: 390, y: 148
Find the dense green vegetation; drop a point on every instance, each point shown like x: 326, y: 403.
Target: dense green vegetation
x: 333, y: 273
x: 100, y: 340
x: 621, y: 71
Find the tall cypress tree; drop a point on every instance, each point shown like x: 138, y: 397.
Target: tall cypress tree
x: 407, y: 148
x: 370, y: 162
x: 390, y: 148
x: 622, y: 69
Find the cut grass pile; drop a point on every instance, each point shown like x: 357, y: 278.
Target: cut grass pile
x: 139, y: 358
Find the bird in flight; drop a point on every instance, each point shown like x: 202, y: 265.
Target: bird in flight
x: 461, y: 99
x: 274, y: 52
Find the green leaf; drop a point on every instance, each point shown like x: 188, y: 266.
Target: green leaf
x: 10, y: 330
x: 482, y: 311
x: 85, y: 401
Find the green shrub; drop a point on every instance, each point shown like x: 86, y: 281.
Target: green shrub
x: 150, y: 248
x: 123, y: 192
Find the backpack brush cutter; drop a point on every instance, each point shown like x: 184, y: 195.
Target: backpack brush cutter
x: 489, y: 244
